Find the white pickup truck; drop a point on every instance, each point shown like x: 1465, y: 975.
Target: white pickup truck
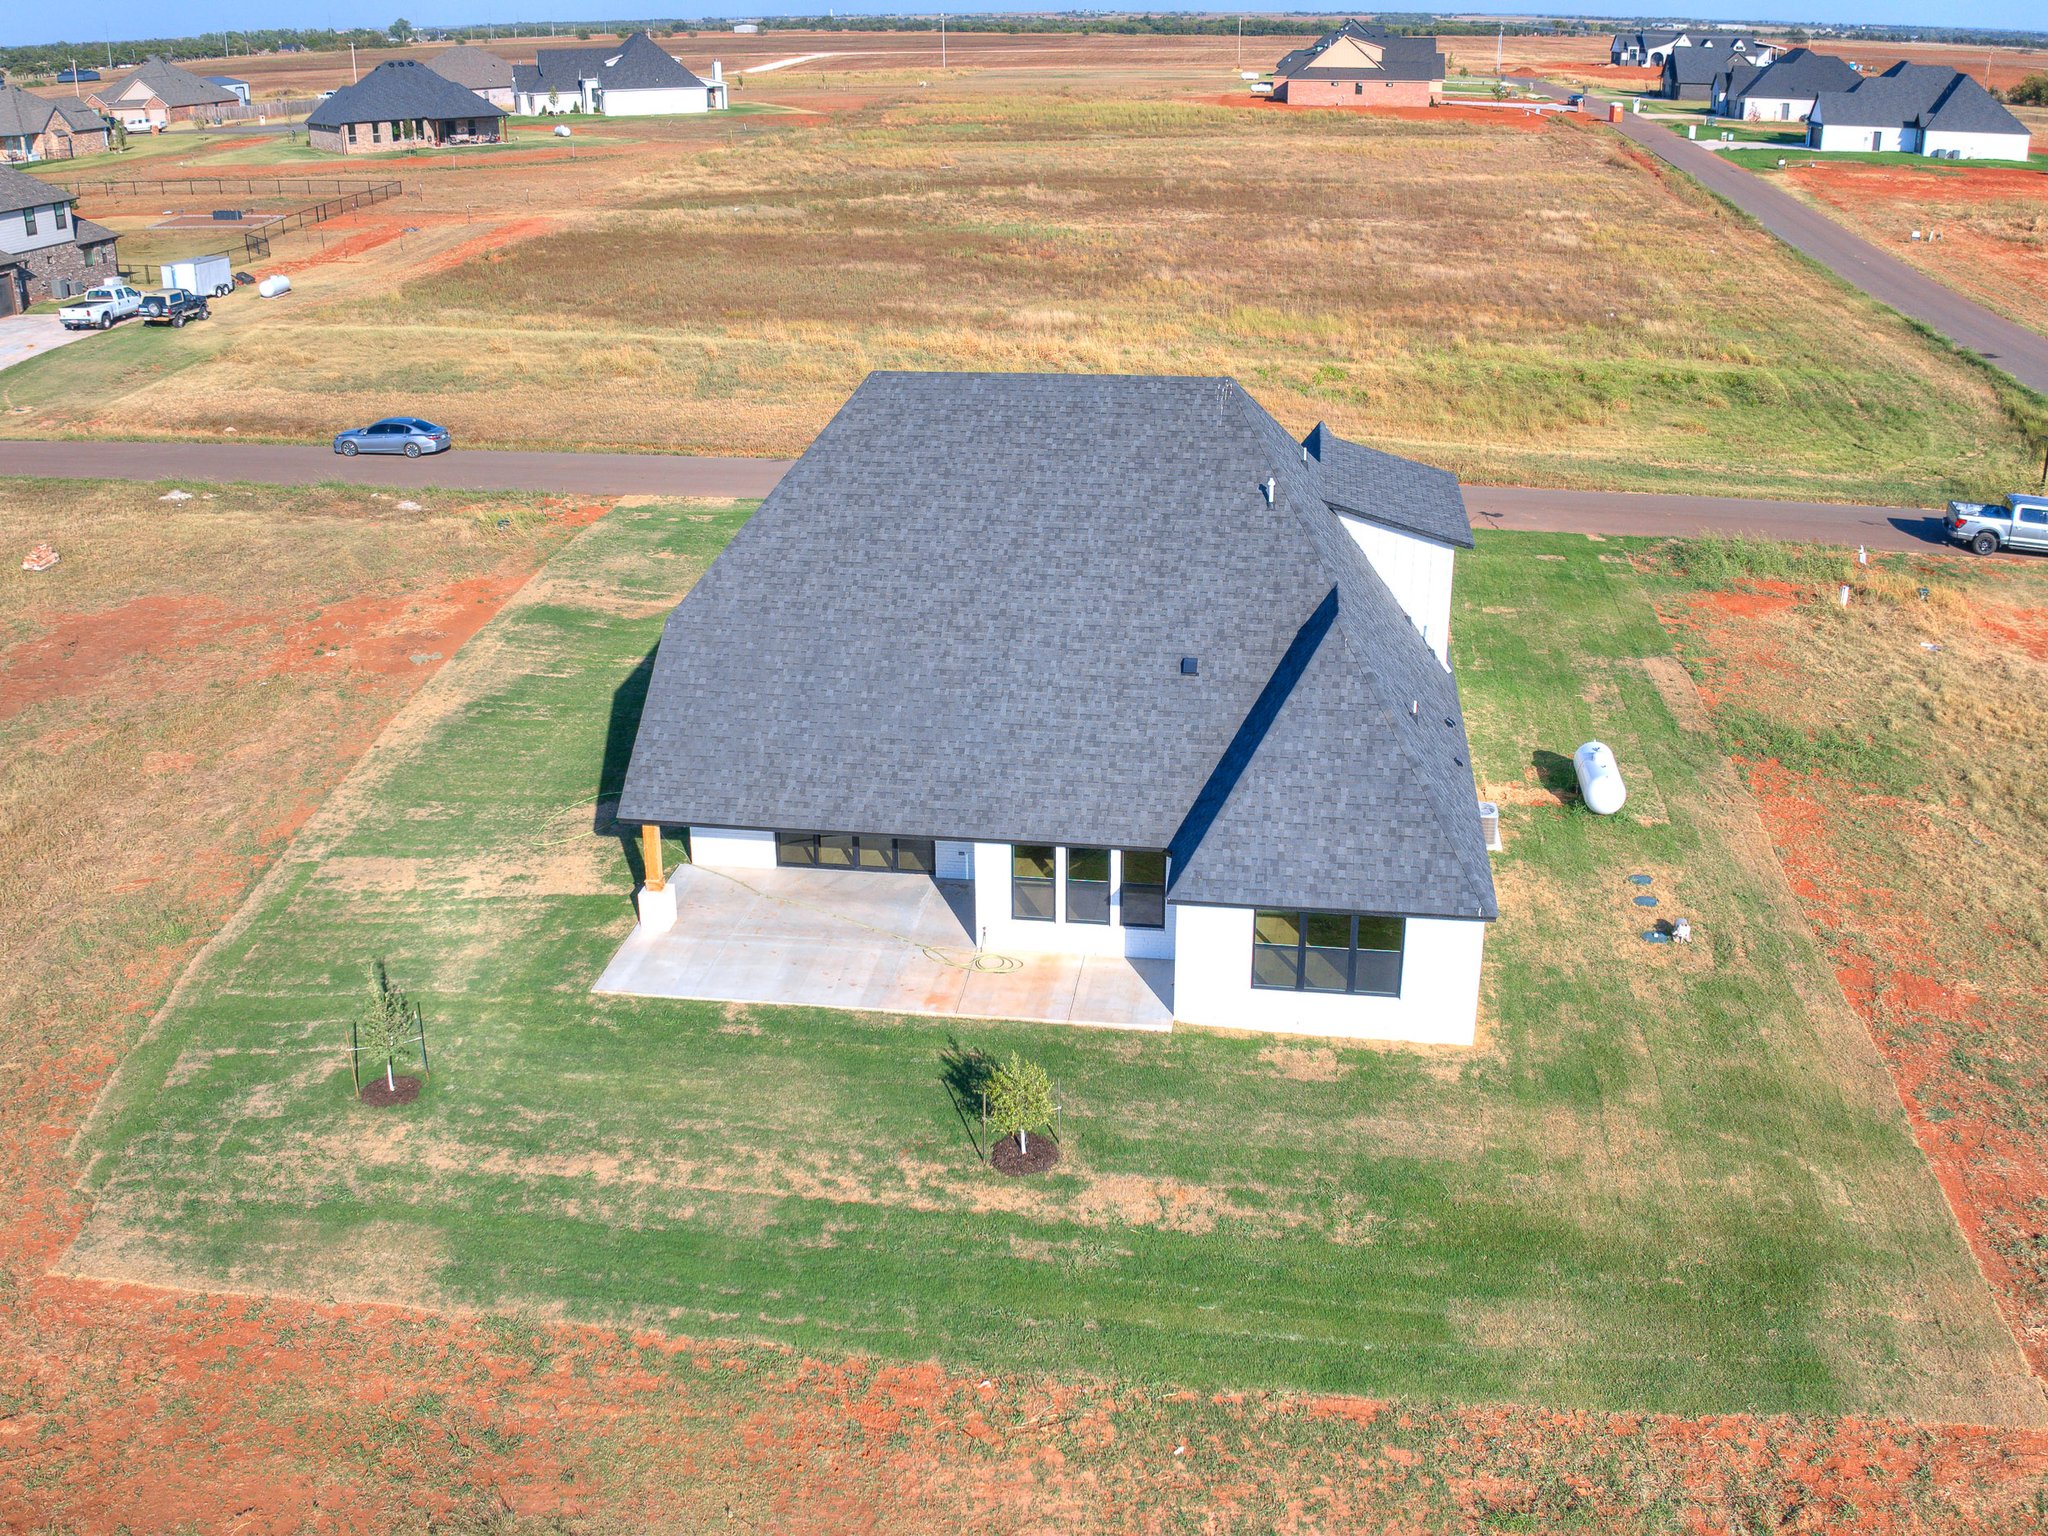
x: 100, y: 307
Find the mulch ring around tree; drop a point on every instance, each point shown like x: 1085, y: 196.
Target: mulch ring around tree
x: 1004, y: 1156
x: 377, y: 1095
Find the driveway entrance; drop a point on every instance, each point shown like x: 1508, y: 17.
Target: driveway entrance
x: 884, y: 943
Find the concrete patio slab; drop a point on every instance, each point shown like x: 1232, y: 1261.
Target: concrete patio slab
x: 878, y: 943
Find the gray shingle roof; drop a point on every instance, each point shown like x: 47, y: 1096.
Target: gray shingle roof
x: 1401, y: 57
x: 1801, y: 75
x: 1694, y: 66
x: 1416, y: 498
x: 79, y: 117
x: 23, y: 114
x: 637, y: 64
x: 18, y: 190
x: 1912, y: 94
x: 175, y: 87
x: 475, y: 69
x: 1966, y: 107
x: 962, y: 613
x: 396, y: 90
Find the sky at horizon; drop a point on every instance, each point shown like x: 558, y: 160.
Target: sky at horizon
x: 117, y: 20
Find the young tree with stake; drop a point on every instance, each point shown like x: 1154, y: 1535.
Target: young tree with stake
x: 386, y: 1026
x: 1019, y: 1100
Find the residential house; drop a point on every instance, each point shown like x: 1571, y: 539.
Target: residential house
x: 46, y: 128
x: 1361, y: 66
x: 159, y: 93
x: 1783, y: 91
x: 402, y: 104
x: 1149, y: 677
x: 1689, y: 73
x: 1918, y: 109
x: 1650, y: 50
x: 46, y: 250
x: 631, y: 79
x: 239, y: 89
x: 478, y: 70
x: 76, y: 76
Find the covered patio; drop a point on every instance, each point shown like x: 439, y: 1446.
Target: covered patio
x: 884, y: 943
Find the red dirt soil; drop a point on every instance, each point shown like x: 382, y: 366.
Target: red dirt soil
x: 1846, y: 183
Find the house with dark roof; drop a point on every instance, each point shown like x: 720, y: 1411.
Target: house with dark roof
x: 1689, y: 73
x: 1359, y: 65
x: 1650, y: 49
x: 476, y: 69
x: 1783, y: 91
x: 402, y: 104
x: 1134, y: 671
x: 1918, y: 109
x: 46, y: 250
x: 634, y: 78
x: 44, y: 128
x: 158, y: 93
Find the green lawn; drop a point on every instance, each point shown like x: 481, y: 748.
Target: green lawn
x: 1767, y: 160
x: 1669, y: 1178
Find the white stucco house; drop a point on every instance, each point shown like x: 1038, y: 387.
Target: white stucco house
x: 1783, y: 91
x: 1918, y: 109
x: 633, y: 79
x: 1145, y: 674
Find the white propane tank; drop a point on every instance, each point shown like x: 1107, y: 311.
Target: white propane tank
x: 1600, y: 783
x: 561, y: 130
x: 273, y: 285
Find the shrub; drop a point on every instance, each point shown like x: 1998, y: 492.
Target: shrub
x: 1019, y: 1099
x: 385, y: 1026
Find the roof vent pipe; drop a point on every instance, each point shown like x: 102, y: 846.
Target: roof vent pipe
x: 1271, y: 485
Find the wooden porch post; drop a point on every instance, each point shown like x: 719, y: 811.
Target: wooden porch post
x: 650, y: 854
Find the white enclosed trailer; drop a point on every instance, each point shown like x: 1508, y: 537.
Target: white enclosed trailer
x: 211, y: 277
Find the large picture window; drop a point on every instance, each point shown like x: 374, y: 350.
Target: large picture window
x: 1031, y: 882
x: 1327, y: 952
x: 1088, y: 885
x: 845, y: 850
x: 1144, y: 889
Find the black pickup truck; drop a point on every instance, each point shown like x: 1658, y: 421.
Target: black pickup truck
x: 174, y: 306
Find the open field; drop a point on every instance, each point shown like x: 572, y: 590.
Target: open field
x: 1993, y: 224
x: 134, y: 1408
x: 1673, y: 1180
x: 1417, y: 283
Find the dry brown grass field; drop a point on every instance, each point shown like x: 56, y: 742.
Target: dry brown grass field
x: 1521, y: 303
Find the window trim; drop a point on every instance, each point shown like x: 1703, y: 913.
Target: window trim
x: 1351, y: 988
x: 1108, y: 882
x: 1124, y: 883
x: 28, y: 221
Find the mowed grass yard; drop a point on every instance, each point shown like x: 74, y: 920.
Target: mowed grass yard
x: 1670, y: 1178
x: 1524, y: 304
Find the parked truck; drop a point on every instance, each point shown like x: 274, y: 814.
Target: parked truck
x: 173, y: 307
x: 211, y: 277
x: 2020, y: 522
x: 100, y: 307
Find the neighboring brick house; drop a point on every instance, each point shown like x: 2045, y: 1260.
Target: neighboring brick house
x: 43, y: 242
x: 39, y: 128
x: 1361, y: 66
x: 475, y: 69
x: 159, y: 93
x: 402, y: 104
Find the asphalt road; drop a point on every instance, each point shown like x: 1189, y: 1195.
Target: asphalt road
x: 654, y: 474
x: 2019, y: 351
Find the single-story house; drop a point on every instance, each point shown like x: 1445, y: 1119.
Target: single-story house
x: 476, y: 69
x: 633, y: 79
x: 401, y: 104
x: 1361, y: 66
x: 1689, y: 73
x: 1918, y: 109
x: 1143, y: 673
x: 43, y: 128
x: 239, y: 89
x: 1784, y: 91
x: 44, y: 245
x: 158, y: 93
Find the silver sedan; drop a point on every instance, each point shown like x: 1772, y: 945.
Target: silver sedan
x: 394, y: 434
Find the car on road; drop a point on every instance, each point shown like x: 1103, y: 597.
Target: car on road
x: 394, y: 434
x: 2019, y: 522
x: 173, y: 307
x: 98, y: 308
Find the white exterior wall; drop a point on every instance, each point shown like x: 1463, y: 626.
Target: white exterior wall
x: 14, y: 236
x: 1976, y: 146
x: 996, y: 930
x: 730, y: 848
x: 1774, y: 109
x: 953, y: 861
x: 691, y: 98
x: 1853, y: 140
x: 1418, y: 571
x: 1438, y: 1005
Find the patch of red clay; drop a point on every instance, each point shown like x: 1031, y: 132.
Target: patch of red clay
x: 2026, y: 628
x: 81, y: 653
x: 1844, y: 183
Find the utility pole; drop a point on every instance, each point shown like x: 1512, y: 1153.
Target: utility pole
x: 74, y: 76
x: 355, y: 73
x: 1500, y: 44
x: 1240, y: 40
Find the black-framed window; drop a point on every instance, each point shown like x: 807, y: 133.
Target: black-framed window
x: 1328, y: 952
x: 1088, y: 885
x: 1031, y: 882
x: 1144, y: 889
x: 28, y: 219
x: 846, y: 850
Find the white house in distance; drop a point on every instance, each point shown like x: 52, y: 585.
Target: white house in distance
x: 1918, y: 109
x: 632, y: 79
x: 1783, y: 91
x: 1149, y: 677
